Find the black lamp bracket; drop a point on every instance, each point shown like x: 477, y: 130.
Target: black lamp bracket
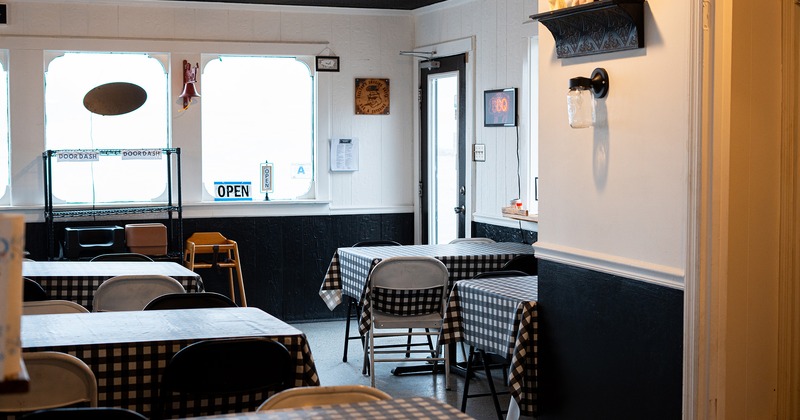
x: 600, y: 82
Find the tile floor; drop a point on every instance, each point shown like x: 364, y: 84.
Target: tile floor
x: 326, y: 339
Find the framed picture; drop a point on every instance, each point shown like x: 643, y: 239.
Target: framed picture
x: 372, y: 97
x: 327, y: 63
x: 500, y: 108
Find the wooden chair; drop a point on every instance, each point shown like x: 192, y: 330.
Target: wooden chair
x: 224, y: 254
x: 309, y: 396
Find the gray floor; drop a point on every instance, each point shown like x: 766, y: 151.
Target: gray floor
x: 327, y: 340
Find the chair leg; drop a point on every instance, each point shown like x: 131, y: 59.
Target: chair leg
x: 491, y: 384
x: 347, y: 327
x: 469, y: 373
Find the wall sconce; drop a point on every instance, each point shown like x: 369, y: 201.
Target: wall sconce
x: 190, y: 92
x: 581, y: 98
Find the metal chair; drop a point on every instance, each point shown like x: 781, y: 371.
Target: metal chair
x: 54, y: 306
x: 85, y: 413
x: 472, y: 240
x: 310, y: 396
x: 190, y: 300
x: 122, y: 256
x: 353, y: 308
x: 132, y: 292
x: 246, y: 370
x: 33, y: 291
x: 396, y: 284
x: 224, y: 253
x: 56, y: 380
x: 479, y: 358
x: 525, y: 262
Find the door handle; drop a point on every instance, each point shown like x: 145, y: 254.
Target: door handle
x: 460, y: 209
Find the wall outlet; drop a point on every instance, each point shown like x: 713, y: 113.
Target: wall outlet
x: 479, y: 152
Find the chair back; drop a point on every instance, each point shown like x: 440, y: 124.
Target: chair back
x: 122, y: 256
x: 308, y: 396
x: 208, y: 238
x: 85, y: 413
x: 500, y: 273
x: 133, y: 292
x: 249, y: 369
x: 54, y: 306
x: 383, y: 242
x: 525, y: 262
x: 409, y: 273
x: 56, y: 380
x: 33, y: 291
x: 472, y: 240
x: 190, y: 300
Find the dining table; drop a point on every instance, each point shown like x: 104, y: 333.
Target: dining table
x: 413, y: 408
x: 77, y: 280
x: 500, y: 315
x: 349, y: 268
x: 128, y: 350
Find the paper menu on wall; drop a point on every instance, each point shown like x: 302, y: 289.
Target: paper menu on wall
x: 344, y: 155
x: 12, y: 245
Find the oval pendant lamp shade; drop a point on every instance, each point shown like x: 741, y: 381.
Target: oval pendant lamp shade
x: 115, y: 98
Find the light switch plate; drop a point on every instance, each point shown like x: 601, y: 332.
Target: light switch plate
x: 479, y: 152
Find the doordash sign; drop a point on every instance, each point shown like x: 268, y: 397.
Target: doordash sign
x: 232, y: 191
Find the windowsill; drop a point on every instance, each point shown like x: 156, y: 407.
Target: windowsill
x: 258, y: 203
x: 531, y: 218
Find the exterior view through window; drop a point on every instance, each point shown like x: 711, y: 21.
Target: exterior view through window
x: 70, y: 126
x: 258, y: 109
x: 5, y: 162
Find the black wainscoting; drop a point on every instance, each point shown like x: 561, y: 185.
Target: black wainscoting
x: 503, y: 234
x: 283, y: 259
x: 609, y: 347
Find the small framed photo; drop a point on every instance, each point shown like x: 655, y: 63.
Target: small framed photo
x: 327, y: 63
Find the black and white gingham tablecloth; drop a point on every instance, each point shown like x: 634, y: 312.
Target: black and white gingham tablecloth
x: 350, y: 267
x: 127, y: 351
x: 77, y: 280
x: 415, y: 408
x: 499, y: 315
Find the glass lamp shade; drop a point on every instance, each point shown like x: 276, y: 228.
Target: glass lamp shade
x: 580, y: 103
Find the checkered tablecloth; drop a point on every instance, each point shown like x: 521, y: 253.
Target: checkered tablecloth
x: 350, y: 267
x: 415, y: 408
x: 77, y: 280
x: 127, y: 351
x: 499, y: 315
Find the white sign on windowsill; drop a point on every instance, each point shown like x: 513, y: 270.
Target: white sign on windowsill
x: 344, y: 155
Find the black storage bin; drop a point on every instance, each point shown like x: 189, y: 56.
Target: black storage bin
x: 90, y: 241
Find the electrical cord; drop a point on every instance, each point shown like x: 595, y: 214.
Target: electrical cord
x: 519, y: 188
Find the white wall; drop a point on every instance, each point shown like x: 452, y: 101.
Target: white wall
x: 367, y: 41
x: 615, y: 196
x: 612, y: 198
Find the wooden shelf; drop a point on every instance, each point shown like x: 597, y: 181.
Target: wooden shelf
x: 594, y: 28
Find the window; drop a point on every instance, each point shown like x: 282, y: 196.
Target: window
x: 258, y: 109
x: 5, y: 146
x: 70, y: 126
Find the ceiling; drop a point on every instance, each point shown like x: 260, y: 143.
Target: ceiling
x: 362, y: 4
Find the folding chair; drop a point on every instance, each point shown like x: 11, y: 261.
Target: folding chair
x: 308, y: 396
x: 406, y: 293
x: 133, y: 292
x: 235, y: 375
